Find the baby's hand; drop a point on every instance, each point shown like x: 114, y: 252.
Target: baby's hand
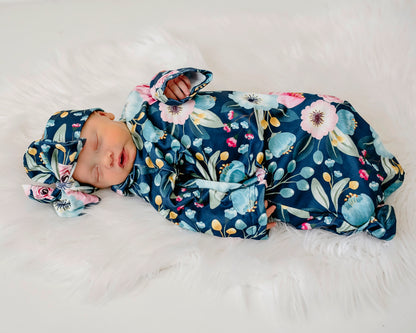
x: 269, y: 211
x: 178, y: 88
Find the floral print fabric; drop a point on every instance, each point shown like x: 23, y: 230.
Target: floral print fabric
x: 51, y: 162
x: 208, y: 162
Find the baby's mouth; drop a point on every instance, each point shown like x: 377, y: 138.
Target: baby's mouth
x: 122, y: 159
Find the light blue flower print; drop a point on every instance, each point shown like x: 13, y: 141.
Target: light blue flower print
x: 240, y: 224
x: 208, y: 150
x: 243, y: 149
x: 337, y: 173
x: 197, y: 142
x: 346, y: 122
x: 50, y: 123
x: 244, y: 124
x: 328, y: 220
x: 244, y: 199
x: 374, y: 186
x: 190, y: 213
x: 45, y: 148
x: 235, y: 125
x: 329, y: 163
x: 281, y: 143
x: 133, y: 103
x: 204, y: 102
x: 256, y: 101
x: 150, y: 132
x: 378, y: 145
x: 233, y: 173
x: 230, y: 213
x: 358, y: 209
x: 200, y: 225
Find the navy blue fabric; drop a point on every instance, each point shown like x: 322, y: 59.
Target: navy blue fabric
x: 208, y: 162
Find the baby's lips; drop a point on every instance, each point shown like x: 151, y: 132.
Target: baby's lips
x: 122, y: 159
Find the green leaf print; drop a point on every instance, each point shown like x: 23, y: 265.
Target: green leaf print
x: 137, y: 141
x: 54, y: 163
x: 337, y: 190
x: 319, y: 194
x: 343, y: 142
x: 388, y: 168
x: 207, y: 118
x: 259, y: 115
x: 303, y: 214
x: 60, y: 134
x: 215, y: 198
x: 345, y: 227
x: 42, y: 177
x: 212, y: 163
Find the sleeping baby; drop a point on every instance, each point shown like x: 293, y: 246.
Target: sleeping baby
x: 224, y: 163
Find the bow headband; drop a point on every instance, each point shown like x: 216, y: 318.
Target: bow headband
x: 52, y: 161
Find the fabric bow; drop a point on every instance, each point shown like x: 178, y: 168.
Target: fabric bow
x: 52, y: 161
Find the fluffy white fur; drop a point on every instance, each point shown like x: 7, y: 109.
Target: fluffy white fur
x: 363, y: 53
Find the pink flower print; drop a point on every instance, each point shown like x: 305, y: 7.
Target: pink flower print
x: 319, y: 118
x: 84, y: 197
x: 64, y: 172
x: 178, y: 199
x: 144, y: 92
x: 176, y: 114
x: 231, y: 114
x: 361, y: 159
x: 163, y: 78
x: 261, y: 173
x: 289, y: 99
x: 331, y: 99
x: 199, y: 205
x: 363, y: 174
x: 249, y: 136
x: 364, y: 153
x: 227, y: 128
x: 306, y: 226
x: 380, y: 177
x: 232, y: 142
x: 39, y: 192
x: 180, y: 208
x: 77, y: 125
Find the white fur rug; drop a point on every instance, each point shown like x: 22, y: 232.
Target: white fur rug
x: 364, y: 53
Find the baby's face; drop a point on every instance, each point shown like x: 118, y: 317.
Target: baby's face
x: 108, y: 154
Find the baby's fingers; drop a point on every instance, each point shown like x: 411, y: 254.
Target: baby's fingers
x: 270, y: 225
x: 269, y: 210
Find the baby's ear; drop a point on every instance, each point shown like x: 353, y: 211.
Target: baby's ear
x: 109, y: 115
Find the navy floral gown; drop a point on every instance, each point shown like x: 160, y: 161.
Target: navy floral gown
x: 208, y: 162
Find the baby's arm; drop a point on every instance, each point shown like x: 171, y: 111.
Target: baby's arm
x: 175, y: 87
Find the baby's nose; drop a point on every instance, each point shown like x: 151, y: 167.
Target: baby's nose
x: 109, y: 159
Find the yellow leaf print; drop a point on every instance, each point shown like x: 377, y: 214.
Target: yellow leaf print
x: 216, y: 225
